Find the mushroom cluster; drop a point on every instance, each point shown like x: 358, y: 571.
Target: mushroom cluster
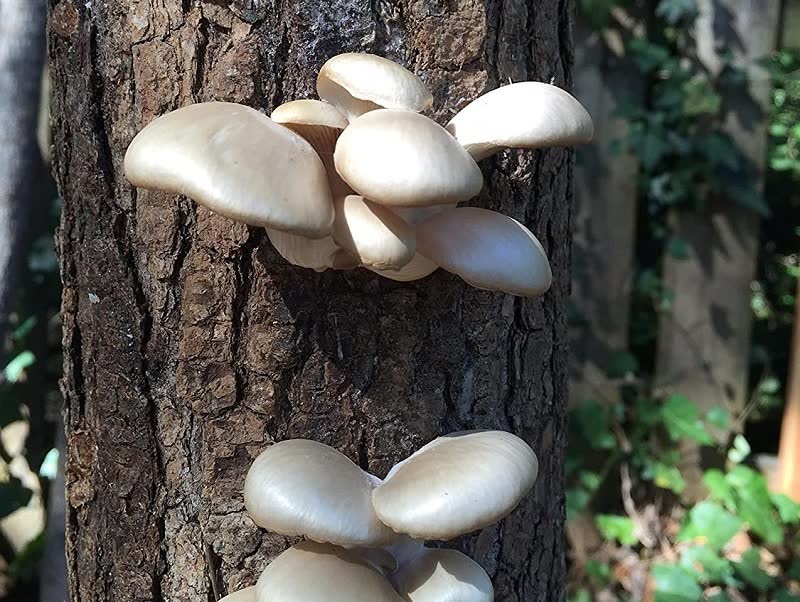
x: 365, y: 537
x: 361, y: 178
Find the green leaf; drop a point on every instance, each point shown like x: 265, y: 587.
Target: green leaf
x: 675, y: 584
x: 582, y: 595
x: 788, y: 510
x: 648, y: 411
x: 673, y: 11
x: 719, y: 488
x: 706, y: 564
x: 784, y: 595
x: 749, y: 570
x: 24, y: 329
x: 599, y: 572
x: 648, y: 56
x: 678, y: 248
x: 710, y: 523
x: 619, y: 528
x: 719, y: 417
x: 16, y: 367
x: 682, y: 420
x: 668, y: 477
x: 591, y: 421
x: 749, y: 198
x: 621, y: 364
x: 13, y: 496
x: 577, y: 500
x: 753, y: 504
x: 740, y: 450
x: 700, y: 97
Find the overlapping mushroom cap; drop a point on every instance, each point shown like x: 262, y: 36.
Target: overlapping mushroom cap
x: 301, y: 487
x: 328, y: 178
x: 247, y: 594
x: 442, y: 575
x: 312, y: 572
x: 456, y: 484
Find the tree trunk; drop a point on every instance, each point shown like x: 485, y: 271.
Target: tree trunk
x: 704, y: 338
x: 190, y: 345
x: 605, y: 217
x: 22, y: 50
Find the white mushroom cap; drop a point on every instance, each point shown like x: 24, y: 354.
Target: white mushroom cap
x: 522, y: 115
x: 441, y: 575
x: 247, y: 594
x: 237, y: 162
x: 418, y: 268
x: 375, y: 235
x: 404, y: 159
x: 358, y: 82
x: 317, y: 254
x: 320, y: 124
x: 312, y: 572
x: 301, y: 487
x: 456, y: 484
x: 487, y: 249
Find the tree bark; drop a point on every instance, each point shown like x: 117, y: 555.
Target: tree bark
x: 606, y: 191
x: 704, y: 338
x: 22, y: 51
x: 190, y: 345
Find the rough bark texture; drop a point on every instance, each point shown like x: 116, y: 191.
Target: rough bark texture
x: 22, y: 51
x: 190, y: 345
x: 704, y: 338
x: 605, y: 215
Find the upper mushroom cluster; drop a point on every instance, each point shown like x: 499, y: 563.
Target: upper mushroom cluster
x: 365, y: 536
x: 361, y: 178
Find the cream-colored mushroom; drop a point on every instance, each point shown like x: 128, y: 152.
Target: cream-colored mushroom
x: 440, y: 575
x: 247, y: 594
x: 418, y: 268
x: 456, y: 484
x: 487, y: 249
x: 317, y: 254
x: 356, y: 83
x: 301, y: 487
x: 376, y: 236
x: 311, y: 572
x: 403, y: 159
x: 238, y: 163
x: 320, y: 124
x: 521, y: 115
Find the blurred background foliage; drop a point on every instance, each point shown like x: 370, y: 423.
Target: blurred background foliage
x: 635, y: 530
x: 641, y: 526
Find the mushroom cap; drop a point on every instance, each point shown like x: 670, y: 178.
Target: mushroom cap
x: 320, y: 124
x: 374, y: 234
x: 417, y: 215
x: 418, y: 268
x: 310, y: 572
x: 238, y: 163
x: 456, y: 484
x: 315, y: 253
x: 441, y: 575
x: 487, y: 249
x: 301, y: 487
x: 247, y: 594
x: 403, y: 159
x: 356, y: 83
x: 521, y: 115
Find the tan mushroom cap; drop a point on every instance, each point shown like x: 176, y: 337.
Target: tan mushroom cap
x: 247, y: 594
x: 315, y: 253
x: 418, y: 268
x: 456, y: 484
x: 373, y: 234
x: 320, y: 124
x: 403, y: 159
x: 441, y: 575
x: 521, y: 115
x: 238, y: 163
x: 301, y: 487
x: 356, y: 83
x: 312, y: 572
x: 487, y: 249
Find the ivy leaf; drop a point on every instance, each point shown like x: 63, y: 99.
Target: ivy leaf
x: 675, y: 584
x: 673, y: 11
x: 784, y: 595
x: 788, y: 510
x: 749, y: 198
x: 739, y: 451
x: 700, y: 97
x: 711, y: 524
x: 591, y: 421
x: 582, y: 595
x: 719, y: 417
x: 648, y: 56
x: 621, y: 364
x: 706, y: 564
x: 668, y: 477
x: 754, y: 505
x: 16, y: 367
x: 619, y: 528
x: 749, y: 570
x: 719, y: 488
x: 682, y: 420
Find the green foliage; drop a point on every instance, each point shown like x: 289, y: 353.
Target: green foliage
x: 711, y: 524
x: 674, y: 583
x: 619, y: 528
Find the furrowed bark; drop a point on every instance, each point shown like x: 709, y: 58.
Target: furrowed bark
x: 190, y: 345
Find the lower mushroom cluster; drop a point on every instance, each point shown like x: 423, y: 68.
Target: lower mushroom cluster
x: 365, y: 537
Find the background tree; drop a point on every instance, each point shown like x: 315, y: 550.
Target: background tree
x: 190, y: 345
